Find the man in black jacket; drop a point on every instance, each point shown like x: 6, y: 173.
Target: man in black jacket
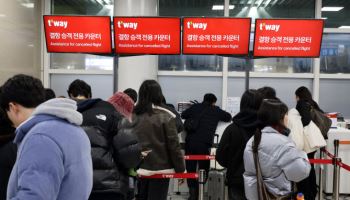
x: 233, y: 141
x: 100, y: 122
x: 201, y: 139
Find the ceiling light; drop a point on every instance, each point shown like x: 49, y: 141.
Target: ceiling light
x: 28, y: 5
x: 332, y: 9
x: 343, y: 27
x: 221, y: 7
x: 218, y: 7
x: 2, y: 15
x: 324, y: 18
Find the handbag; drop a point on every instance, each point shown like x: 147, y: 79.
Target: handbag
x: 263, y: 193
x: 321, y: 121
x: 313, y: 138
x: 191, y: 124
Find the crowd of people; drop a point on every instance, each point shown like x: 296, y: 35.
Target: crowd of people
x: 80, y: 148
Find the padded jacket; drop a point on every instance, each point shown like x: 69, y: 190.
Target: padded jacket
x: 280, y: 161
x: 112, y: 153
x: 157, y: 134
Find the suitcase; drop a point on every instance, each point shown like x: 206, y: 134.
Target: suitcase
x: 216, y: 178
x: 216, y: 184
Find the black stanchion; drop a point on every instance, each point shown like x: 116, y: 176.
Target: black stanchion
x: 336, y: 171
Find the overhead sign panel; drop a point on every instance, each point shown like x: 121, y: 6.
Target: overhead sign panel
x: 216, y: 36
x: 78, y: 34
x: 147, y: 35
x: 288, y: 37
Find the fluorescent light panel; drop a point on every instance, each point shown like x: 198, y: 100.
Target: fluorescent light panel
x: 343, y: 27
x: 331, y: 9
x: 221, y: 7
x: 28, y: 5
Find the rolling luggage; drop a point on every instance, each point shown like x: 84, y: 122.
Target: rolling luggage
x: 216, y: 179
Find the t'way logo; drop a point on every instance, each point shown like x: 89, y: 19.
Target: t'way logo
x: 194, y: 25
x: 54, y: 23
x: 131, y: 25
x: 270, y: 27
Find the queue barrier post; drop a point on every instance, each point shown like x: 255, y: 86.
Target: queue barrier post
x: 336, y: 171
x: 320, y: 178
x: 201, y: 182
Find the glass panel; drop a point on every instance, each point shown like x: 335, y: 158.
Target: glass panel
x: 191, y: 8
x: 81, y: 61
x: 339, y: 17
x: 190, y: 63
x: 60, y: 83
x: 178, y: 89
x: 334, y: 96
x: 278, y: 65
x: 272, y: 8
x: 335, y: 53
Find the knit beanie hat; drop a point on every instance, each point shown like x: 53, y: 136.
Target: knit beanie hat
x: 123, y: 104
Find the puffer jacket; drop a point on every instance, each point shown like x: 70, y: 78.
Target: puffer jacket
x: 158, y: 136
x: 112, y: 155
x: 280, y: 163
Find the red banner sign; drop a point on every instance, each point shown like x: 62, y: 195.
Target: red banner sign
x: 216, y: 36
x: 288, y: 37
x: 147, y: 35
x: 78, y: 34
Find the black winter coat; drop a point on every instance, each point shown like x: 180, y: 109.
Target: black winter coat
x: 230, y: 151
x: 8, y: 152
x: 207, y: 123
x: 100, y: 122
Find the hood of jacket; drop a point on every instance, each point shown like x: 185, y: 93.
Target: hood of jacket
x: 84, y: 105
x: 247, y: 119
x: 59, y: 108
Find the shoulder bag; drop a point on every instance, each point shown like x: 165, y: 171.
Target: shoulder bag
x: 321, y: 121
x: 263, y: 193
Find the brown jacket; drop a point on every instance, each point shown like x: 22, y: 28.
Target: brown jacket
x: 157, y: 134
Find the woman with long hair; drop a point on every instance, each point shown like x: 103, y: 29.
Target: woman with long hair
x: 304, y: 105
x: 156, y: 130
x: 234, y: 140
x: 280, y: 161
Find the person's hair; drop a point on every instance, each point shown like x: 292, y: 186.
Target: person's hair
x: 271, y: 113
x: 209, y: 98
x: 251, y: 100
x: 267, y: 92
x: 131, y: 93
x: 150, y: 93
x: 303, y: 93
x: 22, y: 89
x: 79, y: 88
x: 49, y: 94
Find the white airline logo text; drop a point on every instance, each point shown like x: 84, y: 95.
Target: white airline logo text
x: 130, y: 25
x: 54, y: 23
x: 191, y: 24
x: 269, y: 27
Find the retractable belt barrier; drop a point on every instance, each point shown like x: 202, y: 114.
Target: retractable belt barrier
x: 335, y: 160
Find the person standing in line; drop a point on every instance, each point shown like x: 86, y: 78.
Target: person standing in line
x: 233, y: 141
x: 156, y: 131
x: 280, y: 161
x: 53, y: 157
x: 131, y: 93
x: 201, y: 139
x: 100, y: 122
x: 7, y: 152
x: 304, y: 105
